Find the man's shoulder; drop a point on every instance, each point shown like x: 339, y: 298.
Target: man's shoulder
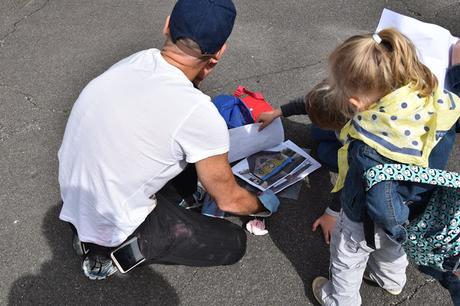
x: 139, y: 58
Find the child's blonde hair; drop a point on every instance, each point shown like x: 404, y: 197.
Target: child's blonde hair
x: 321, y: 110
x: 363, y: 65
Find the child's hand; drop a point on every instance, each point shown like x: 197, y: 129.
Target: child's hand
x: 267, y: 117
x: 327, y: 223
x: 456, y: 54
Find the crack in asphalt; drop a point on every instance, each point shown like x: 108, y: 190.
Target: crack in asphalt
x: 190, y: 281
x: 436, y: 13
x: 419, y: 14
x: 15, y: 25
x: 410, y: 10
x: 267, y: 74
x: 428, y: 281
x: 27, y: 97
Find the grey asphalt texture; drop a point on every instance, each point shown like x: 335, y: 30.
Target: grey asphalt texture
x: 50, y: 49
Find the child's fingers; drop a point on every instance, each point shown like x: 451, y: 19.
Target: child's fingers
x: 263, y: 125
x: 315, y: 225
x: 327, y: 236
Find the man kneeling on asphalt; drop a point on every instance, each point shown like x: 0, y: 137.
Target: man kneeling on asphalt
x: 140, y: 125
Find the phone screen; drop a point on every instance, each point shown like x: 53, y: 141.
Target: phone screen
x: 129, y: 255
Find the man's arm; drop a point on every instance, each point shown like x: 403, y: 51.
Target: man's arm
x: 217, y: 178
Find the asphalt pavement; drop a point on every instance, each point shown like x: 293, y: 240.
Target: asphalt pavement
x: 50, y: 49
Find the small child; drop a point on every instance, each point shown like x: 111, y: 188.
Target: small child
x: 327, y: 135
x: 397, y: 114
x: 317, y: 105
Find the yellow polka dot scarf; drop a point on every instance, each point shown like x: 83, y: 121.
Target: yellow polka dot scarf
x: 403, y: 126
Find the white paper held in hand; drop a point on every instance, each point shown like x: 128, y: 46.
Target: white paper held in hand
x: 247, y: 139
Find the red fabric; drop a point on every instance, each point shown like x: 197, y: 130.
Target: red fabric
x: 254, y: 101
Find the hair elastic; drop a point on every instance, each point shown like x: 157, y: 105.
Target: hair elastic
x: 377, y: 38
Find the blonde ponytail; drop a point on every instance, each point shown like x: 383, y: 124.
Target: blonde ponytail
x: 363, y: 65
x: 405, y: 65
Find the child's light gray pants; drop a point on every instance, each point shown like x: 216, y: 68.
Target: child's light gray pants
x: 349, y: 257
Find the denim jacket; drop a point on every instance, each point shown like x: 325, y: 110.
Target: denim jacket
x: 389, y: 203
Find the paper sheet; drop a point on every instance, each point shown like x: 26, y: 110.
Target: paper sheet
x: 247, y: 140
x: 433, y: 42
x: 301, y: 165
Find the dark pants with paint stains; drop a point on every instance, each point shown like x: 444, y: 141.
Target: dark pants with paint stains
x: 173, y: 235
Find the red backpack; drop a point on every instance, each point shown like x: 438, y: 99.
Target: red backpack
x: 254, y: 101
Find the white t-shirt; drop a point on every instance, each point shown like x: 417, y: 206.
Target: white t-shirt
x: 132, y: 130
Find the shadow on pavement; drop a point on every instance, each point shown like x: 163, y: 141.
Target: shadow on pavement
x: 290, y: 228
x: 61, y: 280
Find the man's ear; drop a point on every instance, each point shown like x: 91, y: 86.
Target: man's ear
x: 219, y: 53
x: 357, y: 102
x: 166, y: 26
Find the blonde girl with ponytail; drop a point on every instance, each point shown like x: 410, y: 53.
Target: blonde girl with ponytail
x: 396, y: 113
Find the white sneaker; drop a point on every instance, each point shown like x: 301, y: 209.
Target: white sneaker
x: 367, y: 277
x: 316, y: 286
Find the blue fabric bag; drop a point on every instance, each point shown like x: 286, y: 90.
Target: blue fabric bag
x: 233, y: 110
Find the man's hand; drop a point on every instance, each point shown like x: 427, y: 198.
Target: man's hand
x: 456, y: 54
x: 217, y: 178
x: 267, y: 117
x: 327, y: 223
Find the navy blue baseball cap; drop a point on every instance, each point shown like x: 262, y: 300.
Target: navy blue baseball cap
x: 206, y: 22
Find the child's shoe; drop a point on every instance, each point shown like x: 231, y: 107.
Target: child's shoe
x: 317, y: 285
x: 367, y: 277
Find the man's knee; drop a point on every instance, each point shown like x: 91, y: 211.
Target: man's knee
x: 238, y: 248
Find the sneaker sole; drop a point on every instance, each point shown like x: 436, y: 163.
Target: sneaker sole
x: 96, y: 277
x: 316, y: 286
x: 369, y: 279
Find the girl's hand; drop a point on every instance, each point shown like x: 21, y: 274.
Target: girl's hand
x: 267, y: 117
x: 456, y: 54
x: 327, y: 223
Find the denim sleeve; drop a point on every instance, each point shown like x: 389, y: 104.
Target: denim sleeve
x: 384, y: 205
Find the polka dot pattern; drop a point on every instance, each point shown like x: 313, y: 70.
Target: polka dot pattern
x: 401, y: 122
